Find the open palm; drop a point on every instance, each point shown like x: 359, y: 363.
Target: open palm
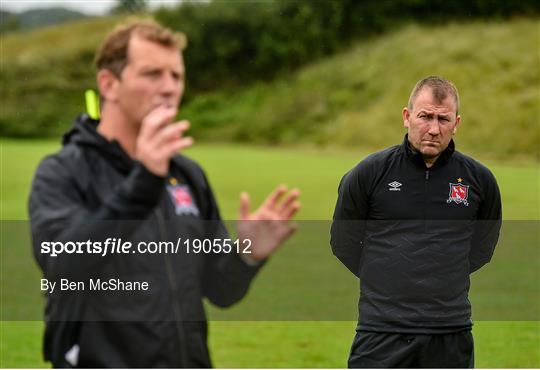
x: 270, y: 225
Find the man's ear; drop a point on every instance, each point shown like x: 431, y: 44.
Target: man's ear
x: 108, y: 85
x: 406, y: 115
x: 458, y: 121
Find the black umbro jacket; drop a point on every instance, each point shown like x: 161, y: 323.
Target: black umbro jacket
x: 92, y: 190
x: 413, y: 235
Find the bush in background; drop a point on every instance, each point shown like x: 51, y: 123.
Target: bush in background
x: 237, y: 43
x: 253, y: 74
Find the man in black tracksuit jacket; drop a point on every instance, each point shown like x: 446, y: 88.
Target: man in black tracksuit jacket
x: 122, y: 178
x: 413, y: 222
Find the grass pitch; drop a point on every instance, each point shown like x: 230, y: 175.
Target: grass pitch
x: 232, y: 169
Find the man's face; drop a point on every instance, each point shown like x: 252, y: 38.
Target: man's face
x: 431, y: 124
x: 153, y: 76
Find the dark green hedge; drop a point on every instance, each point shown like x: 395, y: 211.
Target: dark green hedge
x: 236, y: 42
x: 231, y: 44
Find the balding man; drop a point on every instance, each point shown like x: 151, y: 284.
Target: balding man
x: 412, y: 222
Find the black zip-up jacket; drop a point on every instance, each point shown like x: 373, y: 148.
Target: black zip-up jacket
x: 413, y: 235
x: 92, y: 190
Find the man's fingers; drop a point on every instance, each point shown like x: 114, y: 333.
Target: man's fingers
x: 244, y: 206
x: 156, y: 119
x: 274, y: 197
x: 172, y: 148
x: 291, y: 210
x: 170, y: 133
x: 290, y: 199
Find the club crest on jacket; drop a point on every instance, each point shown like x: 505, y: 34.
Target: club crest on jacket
x: 183, y: 201
x: 458, y: 194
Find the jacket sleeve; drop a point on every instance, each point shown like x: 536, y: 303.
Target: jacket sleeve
x: 226, y: 276
x: 348, y: 226
x: 59, y: 213
x: 487, y: 226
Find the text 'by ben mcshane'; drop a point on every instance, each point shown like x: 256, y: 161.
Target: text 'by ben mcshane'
x: 93, y: 284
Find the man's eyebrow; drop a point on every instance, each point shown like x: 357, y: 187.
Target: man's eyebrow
x: 150, y: 68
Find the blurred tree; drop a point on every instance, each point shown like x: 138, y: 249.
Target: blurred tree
x: 8, y: 22
x: 130, y: 6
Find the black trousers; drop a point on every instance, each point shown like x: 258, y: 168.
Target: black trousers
x: 391, y: 350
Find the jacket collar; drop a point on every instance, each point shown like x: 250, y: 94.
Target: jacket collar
x: 84, y: 133
x: 417, y: 158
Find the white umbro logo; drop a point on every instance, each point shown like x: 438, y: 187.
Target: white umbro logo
x: 394, y: 186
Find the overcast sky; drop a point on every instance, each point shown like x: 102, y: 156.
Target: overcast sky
x: 93, y: 7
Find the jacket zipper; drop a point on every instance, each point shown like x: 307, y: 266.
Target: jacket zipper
x: 176, y: 307
x: 426, y: 195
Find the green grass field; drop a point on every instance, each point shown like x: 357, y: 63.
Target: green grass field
x: 232, y: 169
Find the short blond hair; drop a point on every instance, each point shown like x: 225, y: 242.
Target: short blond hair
x: 113, y: 52
x: 440, y: 87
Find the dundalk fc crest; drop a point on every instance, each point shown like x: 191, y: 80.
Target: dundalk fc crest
x: 458, y: 194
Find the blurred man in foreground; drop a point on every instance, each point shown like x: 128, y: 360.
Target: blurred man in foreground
x: 121, y: 179
x: 413, y: 222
